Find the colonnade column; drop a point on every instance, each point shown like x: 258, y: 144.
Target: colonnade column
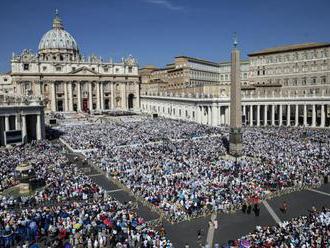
x: 288, y: 115
x: 313, y: 115
x: 244, y: 114
x: 265, y: 115
x: 305, y: 115
x: 210, y: 115
x: 251, y: 115
x: 273, y: 115
x: 78, y: 97
x: 7, y: 127
x: 281, y: 115
x: 17, y: 123
x: 98, y: 96
x: 90, y: 96
x: 200, y: 114
x: 322, y: 116
x: 258, y: 115
x: 38, y: 127
x: 219, y: 115
x: 102, y: 95
x: 66, y: 108
x: 214, y: 115
x: 23, y: 121
x: 297, y: 115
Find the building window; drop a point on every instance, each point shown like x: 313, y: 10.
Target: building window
x: 73, y: 68
x: 314, y: 80
x: 323, y: 79
x: 130, y: 69
x: 26, y: 67
x: 58, y: 68
x: 93, y: 68
x: 117, y: 69
x: 44, y: 68
x: 106, y: 69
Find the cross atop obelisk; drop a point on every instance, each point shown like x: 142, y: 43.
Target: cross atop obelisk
x: 235, y: 137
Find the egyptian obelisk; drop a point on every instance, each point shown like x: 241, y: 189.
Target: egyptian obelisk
x: 235, y: 137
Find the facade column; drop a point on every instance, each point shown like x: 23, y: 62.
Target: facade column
x: 221, y: 120
x: 281, y: 115
x: 90, y: 96
x: 258, y: 115
x: 322, y: 116
x: 38, y: 127
x: 273, y: 115
x: 313, y: 115
x: 123, y: 96
x: 305, y: 115
x: 70, y: 97
x: 112, y: 89
x: 98, y: 96
x: 78, y: 96
x: 102, y: 95
x: 251, y: 115
x: 7, y: 127
x: 288, y: 116
x: 297, y: 115
x: 66, y: 108
x: 138, y: 96
x: 23, y: 123
x: 53, y: 96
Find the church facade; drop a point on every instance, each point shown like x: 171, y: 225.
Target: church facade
x: 67, y: 81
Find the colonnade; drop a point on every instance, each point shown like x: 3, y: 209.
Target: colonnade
x: 31, y: 125
x: 313, y: 115
x: 254, y: 113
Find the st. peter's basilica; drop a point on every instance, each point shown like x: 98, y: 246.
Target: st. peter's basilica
x: 67, y: 81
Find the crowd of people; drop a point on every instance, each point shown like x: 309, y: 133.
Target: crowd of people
x: 310, y: 230
x: 186, y: 172
x: 69, y: 210
x: 180, y: 168
x: 128, y: 131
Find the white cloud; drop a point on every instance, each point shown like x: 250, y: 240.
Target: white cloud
x: 165, y: 3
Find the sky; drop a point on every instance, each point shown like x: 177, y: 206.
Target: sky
x: 155, y: 31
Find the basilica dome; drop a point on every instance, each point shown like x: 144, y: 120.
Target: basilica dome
x: 58, y: 41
